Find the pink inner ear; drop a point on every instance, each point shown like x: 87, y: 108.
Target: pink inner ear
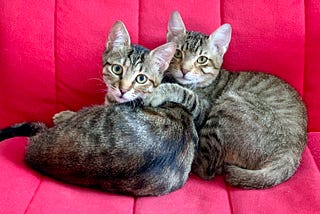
x: 176, y: 27
x: 221, y: 37
x: 176, y: 30
x: 118, y: 36
x: 162, y: 56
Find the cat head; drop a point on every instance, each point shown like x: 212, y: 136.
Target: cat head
x: 198, y: 57
x: 132, y: 71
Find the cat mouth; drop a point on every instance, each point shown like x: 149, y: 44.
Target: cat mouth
x: 184, y: 75
x: 121, y: 99
x: 184, y: 79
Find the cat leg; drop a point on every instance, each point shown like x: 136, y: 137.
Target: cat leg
x: 177, y: 94
x: 210, y: 157
x: 61, y: 116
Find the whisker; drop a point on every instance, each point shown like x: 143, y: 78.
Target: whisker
x: 102, y: 91
x: 101, y: 85
x: 95, y: 78
x: 100, y: 80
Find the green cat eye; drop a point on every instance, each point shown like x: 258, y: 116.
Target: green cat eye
x: 141, y: 79
x: 178, y: 54
x: 202, y: 60
x: 117, y: 69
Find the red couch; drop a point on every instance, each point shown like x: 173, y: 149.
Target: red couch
x: 50, y: 60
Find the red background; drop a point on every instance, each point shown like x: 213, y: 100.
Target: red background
x: 50, y: 60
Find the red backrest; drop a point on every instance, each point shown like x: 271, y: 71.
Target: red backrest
x: 50, y: 51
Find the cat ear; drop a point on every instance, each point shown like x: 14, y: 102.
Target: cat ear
x: 118, y: 36
x: 161, y: 56
x: 176, y: 28
x: 220, y: 39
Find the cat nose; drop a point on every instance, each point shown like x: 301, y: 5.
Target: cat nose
x: 184, y: 71
x: 123, y: 91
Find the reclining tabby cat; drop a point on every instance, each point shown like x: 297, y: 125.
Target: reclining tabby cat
x: 255, y: 128
x: 124, y: 148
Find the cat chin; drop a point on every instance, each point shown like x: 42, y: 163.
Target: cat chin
x: 117, y: 99
x: 192, y: 80
x: 122, y: 100
x: 184, y: 81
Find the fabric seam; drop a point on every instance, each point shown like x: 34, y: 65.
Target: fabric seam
x: 139, y: 22
x: 314, y: 160
x: 34, y: 195
x: 55, y: 53
x: 134, y: 205
x: 221, y: 12
x: 229, y: 197
x: 305, y: 51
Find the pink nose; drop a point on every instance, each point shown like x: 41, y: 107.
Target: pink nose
x: 123, y: 91
x: 184, y: 72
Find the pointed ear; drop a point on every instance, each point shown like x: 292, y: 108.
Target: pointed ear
x: 176, y: 28
x: 118, y: 36
x: 220, y: 39
x: 161, y: 56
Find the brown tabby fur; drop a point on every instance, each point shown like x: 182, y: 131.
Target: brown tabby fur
x: 123, y: 148
x: 253, y: 128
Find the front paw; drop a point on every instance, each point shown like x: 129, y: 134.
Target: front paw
x: 153, y: 100
x: 62, y: 116
x: 159, y: 96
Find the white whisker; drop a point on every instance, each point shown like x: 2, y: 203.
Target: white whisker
x: 98, y: 79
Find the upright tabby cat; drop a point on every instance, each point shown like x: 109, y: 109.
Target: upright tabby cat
x: 255, y: 127
x: 119, y: 148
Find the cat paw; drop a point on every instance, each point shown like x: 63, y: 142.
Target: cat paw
x: 158, y: 97
x: 153, y: 100
x: 162, y: 94
x: 61, y: 116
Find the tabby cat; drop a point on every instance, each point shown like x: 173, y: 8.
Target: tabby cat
x: 119, y: 148
x: 255, y: 125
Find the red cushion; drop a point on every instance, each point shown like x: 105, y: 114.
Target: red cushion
x: 25, y: 190
x: 50, y: 60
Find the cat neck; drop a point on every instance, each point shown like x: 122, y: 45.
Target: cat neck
x: 211, y: 91
x: 215, y: 88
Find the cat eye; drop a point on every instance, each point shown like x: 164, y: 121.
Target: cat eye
x: 141, y: 79
x: 202, y: 60
x: 178, y: 54
x: 116, y: 69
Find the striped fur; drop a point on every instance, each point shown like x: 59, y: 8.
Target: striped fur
x: 123, y: 147
x: 255, y: 126
x: 120, y: 148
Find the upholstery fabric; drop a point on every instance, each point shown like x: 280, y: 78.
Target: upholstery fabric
x: 50, y: 60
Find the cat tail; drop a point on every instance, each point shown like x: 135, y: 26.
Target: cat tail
x: 27, y: 129
x: 274, y: 173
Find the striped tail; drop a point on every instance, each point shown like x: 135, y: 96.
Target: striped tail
x: 274, y: 173
x: 22, y: 129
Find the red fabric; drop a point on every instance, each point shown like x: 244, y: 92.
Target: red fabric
x: 50, y: 60
x: 24, y: 190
